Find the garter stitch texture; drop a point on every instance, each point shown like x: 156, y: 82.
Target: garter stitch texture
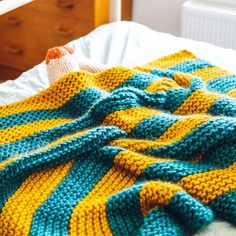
x: 143, y: 151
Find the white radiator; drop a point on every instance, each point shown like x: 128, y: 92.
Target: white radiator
x: 212, y: 21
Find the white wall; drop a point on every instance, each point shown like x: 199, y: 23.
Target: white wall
x: 162, y: 15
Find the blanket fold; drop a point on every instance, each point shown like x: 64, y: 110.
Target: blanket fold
x: 143, y: 151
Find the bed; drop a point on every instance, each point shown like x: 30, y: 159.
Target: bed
x: 125, y: 42
x: 128, y: 44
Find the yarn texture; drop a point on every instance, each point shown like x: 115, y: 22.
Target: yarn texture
x: 143, y: 151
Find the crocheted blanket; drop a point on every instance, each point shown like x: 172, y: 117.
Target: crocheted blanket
x: 143, y: 151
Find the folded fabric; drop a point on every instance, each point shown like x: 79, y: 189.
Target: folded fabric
x: 143, y: 151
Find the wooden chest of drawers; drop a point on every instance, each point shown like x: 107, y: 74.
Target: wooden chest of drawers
x: 27, y: 33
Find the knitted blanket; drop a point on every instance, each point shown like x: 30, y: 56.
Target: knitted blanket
x: 143, y: 151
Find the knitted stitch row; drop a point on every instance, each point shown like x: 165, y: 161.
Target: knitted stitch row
x: 143, y: 151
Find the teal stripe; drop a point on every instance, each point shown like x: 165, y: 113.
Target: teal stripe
x: 160, y: 222
x: 224, y: 106
x: 153, y: 127
x: 59, y: 154
x: 43, y: 138
x: 163, y: 73
x: 220, y: 155
x: 123, y: 212
x: 175, y: 98
x: 7, y: 192
x: 200, y: 140
x: 140, y: 81
x: 222, y: 84
x: 190, y: 212
x: 190, y: 66
x: 87, y: 171
x: 173, y: 171
x: 225, y: 207
x: 75, y: 107
x: 31, y: 116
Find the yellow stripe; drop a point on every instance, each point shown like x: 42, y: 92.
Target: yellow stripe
x: 198, y: 102
x: 232, y: 93
x: 89, y: 216
x: 173, y: 59
x: 183, y: 79
x: 209, y: 185
x: 18, y: 212
x: 18, y: 132
x: 156, y: 194
x: 181, y: 128
x: 72, y: 83
x: 232, y: 167
x: 163, y: 84
x: 146, y: 69
x: 129, y: 118
x: 136, y: 163
x: 135, y: 145
x: 94, y: 204
x: 173, y: 134
x: 53, y: 144
x: 52, y: 97
x: 113, y: 77
x: 210, y: 73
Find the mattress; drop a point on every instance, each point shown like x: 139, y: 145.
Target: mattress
x: 128, y: 44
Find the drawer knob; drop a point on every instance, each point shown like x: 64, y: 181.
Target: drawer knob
x: 15, y: 50
x: 66, y: 3
x: 64, y: 31
x: 13, y: 20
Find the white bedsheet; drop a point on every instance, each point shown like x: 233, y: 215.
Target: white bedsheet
x: 128, y: 44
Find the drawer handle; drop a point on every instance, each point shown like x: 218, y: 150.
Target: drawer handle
x: 64, y: 31
x: 65, y: 3
x: 13, y: 20
x: 14, y: 50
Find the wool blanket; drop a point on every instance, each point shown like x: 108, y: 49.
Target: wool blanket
x: 143, y: 151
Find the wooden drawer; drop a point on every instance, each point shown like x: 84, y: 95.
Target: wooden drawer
x: 21, y: 55
x: 43, y: 27
x: 27, y: 36
x: 77, y: 9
